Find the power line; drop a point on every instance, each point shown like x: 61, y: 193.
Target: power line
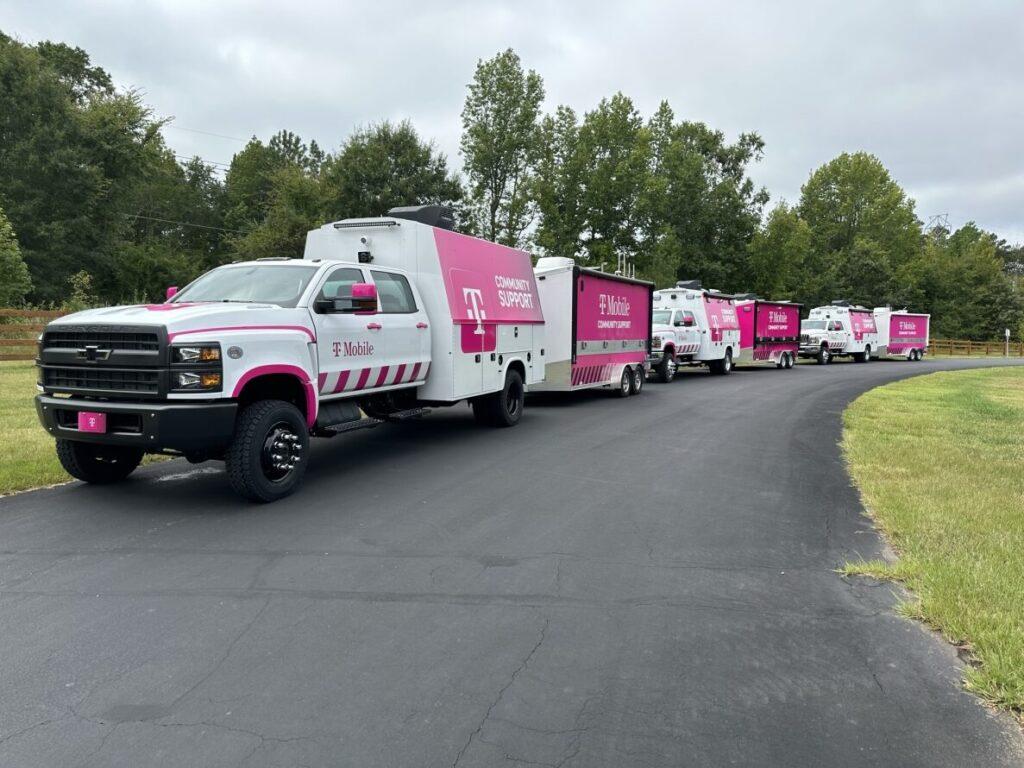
x: 181, y: 223
x: 203, y: 160
x: 207, y: 133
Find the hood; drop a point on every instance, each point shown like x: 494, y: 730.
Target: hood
x: 188, y: 316
x: 661, y: 328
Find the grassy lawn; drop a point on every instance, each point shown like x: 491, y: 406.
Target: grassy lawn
x: 27, y: 459
x: 940, y: 462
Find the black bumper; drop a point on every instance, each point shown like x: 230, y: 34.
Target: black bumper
x: 180, y: 426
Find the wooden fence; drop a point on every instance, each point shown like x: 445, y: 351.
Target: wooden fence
x: 19, y: 329
x: 950, y: 347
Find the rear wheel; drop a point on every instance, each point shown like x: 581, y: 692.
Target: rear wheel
x: 666, y: 368
x: 723, y: 367
x: 824, y: 356
x: 98, y: 464
x: 639, y: 377
x: 505, y: 407
x: 790, y: 360
x: 267, y: 457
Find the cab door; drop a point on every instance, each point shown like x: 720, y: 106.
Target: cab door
x: 404, y: 333
x: 685, y: 324
x: 347, y: 349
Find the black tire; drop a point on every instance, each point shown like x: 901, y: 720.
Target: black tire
x: 98, y: 464
x: 824, y: 355
x: 503, y: 408
x: 867, y: 354
x: 791, y: 361
x: 625, y: 383
x: 666, y: 369
x: 639, y: 377
x: 268, y: 454
x: 723, y: 367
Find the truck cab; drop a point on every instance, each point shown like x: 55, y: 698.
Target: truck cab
x: 251, y: 359
x: 839, y: 330
x: 693, y: 326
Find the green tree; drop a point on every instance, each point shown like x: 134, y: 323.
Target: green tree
x: 15, y: 282
x: 500, y: 145
x: 779, y: 253
x: 556, y: 185
x: 384, y: 166
x: 863, y: 228
x: 296, y: 206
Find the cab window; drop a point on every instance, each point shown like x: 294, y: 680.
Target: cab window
x: 835, y: 326
x: 689, y: 314
x: 339, y: 282
x: 394, y: 293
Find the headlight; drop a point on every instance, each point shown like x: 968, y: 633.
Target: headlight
x: 196, y: 381
x: 206, y: 353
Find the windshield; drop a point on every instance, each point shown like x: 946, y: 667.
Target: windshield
x: 662, y: 317
x: 813, y: 325
x: 264, y: 283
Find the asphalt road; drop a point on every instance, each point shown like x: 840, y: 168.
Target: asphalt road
x: 612, y: 583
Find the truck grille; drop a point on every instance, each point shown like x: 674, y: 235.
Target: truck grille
x: 102, y: 380
x: 805, y: 339
x: 77, y: 339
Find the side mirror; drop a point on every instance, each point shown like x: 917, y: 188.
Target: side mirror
x: 688, y: 322
x: 171, y: 291
x: 364, y: 298
x: 361, y: 301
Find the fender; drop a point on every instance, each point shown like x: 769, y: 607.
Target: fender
x: 287, y: 370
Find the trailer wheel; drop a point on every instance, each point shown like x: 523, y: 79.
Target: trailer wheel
x: 625, y: 383
x: 639, y: 376
x: 666, y: 368
x: 97, y: 464
x: 503, y: 408
x: 790, y: 361
x: 267, y: 456
x: 824, y: 356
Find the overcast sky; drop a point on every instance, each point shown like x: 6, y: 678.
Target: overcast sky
x: 935, y: 89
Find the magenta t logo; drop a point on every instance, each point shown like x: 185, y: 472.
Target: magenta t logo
x: 474, y: 299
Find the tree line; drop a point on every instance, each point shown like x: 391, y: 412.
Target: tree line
x: 95, y: 207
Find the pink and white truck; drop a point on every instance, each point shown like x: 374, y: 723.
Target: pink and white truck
x: 839, y: 330
x: 769, y: 332
x: 901, y: 334
x: 597, y: 328
x: 380, y: 319
x: 693, y: 326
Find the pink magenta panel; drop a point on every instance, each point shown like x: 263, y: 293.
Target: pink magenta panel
x: 861, y: 323
x: 609, y: 310
x: 721, y: 317
x: 486, y: 282
x: 907, y: 332
x: 745, y: 313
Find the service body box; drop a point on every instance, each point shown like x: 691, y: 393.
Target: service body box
x: 596, y: 324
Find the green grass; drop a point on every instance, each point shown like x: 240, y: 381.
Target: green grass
x: 27, y: 459
x: 939, y: 460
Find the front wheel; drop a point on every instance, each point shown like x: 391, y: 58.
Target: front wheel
x: 97, y: 464
x: 267, y: 457
x: 666, y: 368
x: 824, y: 356
x: 503, y: 408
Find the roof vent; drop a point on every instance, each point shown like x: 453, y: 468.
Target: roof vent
x: 440, y: 216
x: 691, y: 285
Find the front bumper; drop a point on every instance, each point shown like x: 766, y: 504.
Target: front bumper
x: 178, y: 426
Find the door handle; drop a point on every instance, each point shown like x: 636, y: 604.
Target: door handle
x: 373, y: 326
x: 421, y: 325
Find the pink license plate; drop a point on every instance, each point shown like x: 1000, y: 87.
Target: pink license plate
x: 90, y: 421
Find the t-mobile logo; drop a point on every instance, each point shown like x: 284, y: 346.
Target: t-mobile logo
x: 474, y: 303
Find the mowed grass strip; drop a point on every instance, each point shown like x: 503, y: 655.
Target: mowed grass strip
x: 27, y: 458
x: 939, y: 460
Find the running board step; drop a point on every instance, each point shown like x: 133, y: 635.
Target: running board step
x: 410, y: 413
x: 351, y: 426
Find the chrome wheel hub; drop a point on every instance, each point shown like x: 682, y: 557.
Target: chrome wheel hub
x: 282, y: 452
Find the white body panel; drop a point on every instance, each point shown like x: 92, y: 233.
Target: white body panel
x: 840, y: 333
